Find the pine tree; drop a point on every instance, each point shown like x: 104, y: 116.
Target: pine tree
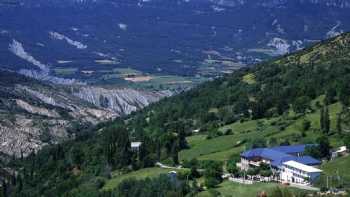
x: 174, y: 153
x: 339, y: 122
x: 322, y: 119
x: 324, y: 146
x: 4, y: 188
x: 326, y: 121
x: 19, y: 183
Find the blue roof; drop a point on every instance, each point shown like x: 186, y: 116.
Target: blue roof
x: 300, y: 148
x: 308, y: 160
x: 280, y: 154
x: 252, y: 153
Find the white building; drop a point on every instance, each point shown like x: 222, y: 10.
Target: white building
x: 295, y: 172
x: 341, y: 151
x: 135, y: 146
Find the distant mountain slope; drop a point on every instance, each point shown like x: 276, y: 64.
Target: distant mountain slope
x: 34, y: 113
x: 86, y: 41
x: 272, y: 95
x: 268, y: 89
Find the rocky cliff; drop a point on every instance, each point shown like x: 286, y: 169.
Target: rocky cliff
x: 34, y: 113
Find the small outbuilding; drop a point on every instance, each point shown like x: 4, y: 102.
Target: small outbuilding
x: 135, y: 146
x: 341, y: 151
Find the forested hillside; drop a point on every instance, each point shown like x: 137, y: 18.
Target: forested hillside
x: 307, y: 82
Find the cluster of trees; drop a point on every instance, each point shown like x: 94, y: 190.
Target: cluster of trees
x: 263, y: 170
x: 149, y: 187
x: 322, y: 148
x: 279, y: 86
x: 67, y: 168
x: 231, y: 165
x: 211, y: 171
x: 288, y: 83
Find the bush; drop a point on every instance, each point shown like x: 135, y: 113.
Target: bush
x: 313, y: 151
x: 228, y: 132
x: 266, y: 173
x: 346, y: 140
x: 306, y: 125
x: 194, y: 173
x: 184, y: 174
x: 213, y: 133
x: 323, y: 189
x: 212, y: 173
x: 211, y: 182
x: 214, y: 193
x: 190, y: 163
x: 99, y: 183
x: 253, y: 171
x: 231, y: 164
x: 258, y: 143
x: 232, y: 168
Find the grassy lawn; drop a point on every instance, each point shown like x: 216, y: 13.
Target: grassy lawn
x: 228, y: 188
x: 222, y: 147
x: 222, y: 155
x: 314, y: 132
x: 338, y: 167
x: 139, y: 174
x: 195, y: 139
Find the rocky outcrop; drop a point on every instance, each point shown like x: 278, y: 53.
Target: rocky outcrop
x: 34, y: 113
x: 36, y: 110
x: 122, y: 101
x: 24, y: 135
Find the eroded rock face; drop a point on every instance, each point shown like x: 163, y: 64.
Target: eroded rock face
x: 36, y: 110
x: 122, y: 101
x: 24, y: 135
x: 34, y: 113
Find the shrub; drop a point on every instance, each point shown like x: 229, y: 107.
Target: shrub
x: 228, y: 132
x: 211, y: 182
x: 306, y: 124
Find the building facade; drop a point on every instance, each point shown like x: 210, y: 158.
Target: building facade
x: 289, y: 163
x: 295, y: 172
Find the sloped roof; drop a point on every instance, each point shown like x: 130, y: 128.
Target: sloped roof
x: 281, y: 154
x: 341, y: 149
x: 136, y: 144
x: 299, y: 148
x: 307, y: 160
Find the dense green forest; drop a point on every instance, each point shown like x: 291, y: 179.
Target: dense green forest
x: 268, y: 90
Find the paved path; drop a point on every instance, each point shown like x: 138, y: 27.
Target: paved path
x: 166, y: 166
